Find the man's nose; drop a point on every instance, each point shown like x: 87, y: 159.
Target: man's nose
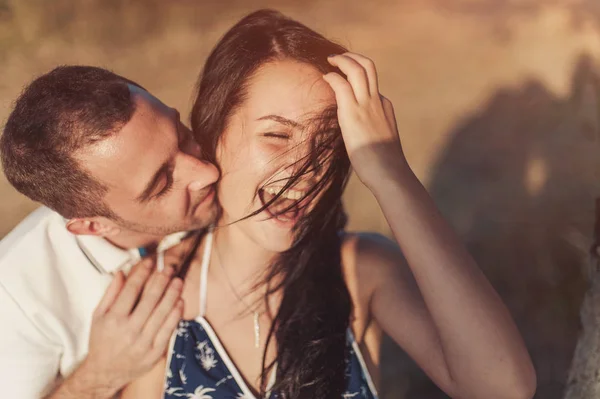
x: 202, y: 175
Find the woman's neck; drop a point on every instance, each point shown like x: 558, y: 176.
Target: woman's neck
x: 244, y: 261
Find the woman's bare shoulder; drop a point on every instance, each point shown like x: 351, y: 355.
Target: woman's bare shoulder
x: 367, y: 260
x: 370, y: 251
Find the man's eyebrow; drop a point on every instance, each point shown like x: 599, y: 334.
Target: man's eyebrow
x: 152, y: 183
x: 280, y: 119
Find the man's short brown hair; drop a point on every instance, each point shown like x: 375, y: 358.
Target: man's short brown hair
x: 58, y: 114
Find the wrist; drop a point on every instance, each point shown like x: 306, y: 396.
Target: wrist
x: 383, y: 175
x: 90, y: 382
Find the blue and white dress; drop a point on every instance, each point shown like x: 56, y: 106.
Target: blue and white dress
x: 198, y: 367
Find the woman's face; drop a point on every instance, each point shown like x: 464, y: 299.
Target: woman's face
x: 267, y: 138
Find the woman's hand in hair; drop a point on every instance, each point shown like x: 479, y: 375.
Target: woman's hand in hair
x: 366, y: 119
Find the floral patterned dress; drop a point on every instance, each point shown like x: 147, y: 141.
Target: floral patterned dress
x: 198, y: 367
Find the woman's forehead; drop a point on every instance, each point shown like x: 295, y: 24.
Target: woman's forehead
x: 288, y: 88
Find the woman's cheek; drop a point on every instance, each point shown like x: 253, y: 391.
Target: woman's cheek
x: 266, y: 153
x: 235, y: 194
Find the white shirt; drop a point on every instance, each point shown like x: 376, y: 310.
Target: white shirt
x: 50, y: 284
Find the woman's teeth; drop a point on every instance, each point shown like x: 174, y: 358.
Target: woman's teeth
x: 289, y: 193
x: 285, y: 208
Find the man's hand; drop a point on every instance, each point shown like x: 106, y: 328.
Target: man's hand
x: 131, y: 329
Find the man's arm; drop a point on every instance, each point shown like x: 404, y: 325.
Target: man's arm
x: 29, y: 360
x: 130, y: 331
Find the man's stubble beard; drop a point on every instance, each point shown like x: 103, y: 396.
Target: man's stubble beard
x: 200, y: 222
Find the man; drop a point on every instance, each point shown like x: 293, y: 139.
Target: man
x: 117, y: 172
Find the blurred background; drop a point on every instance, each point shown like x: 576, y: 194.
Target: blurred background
x: 498, y: 104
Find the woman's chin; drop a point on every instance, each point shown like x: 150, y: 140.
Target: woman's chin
x: 276, y: 235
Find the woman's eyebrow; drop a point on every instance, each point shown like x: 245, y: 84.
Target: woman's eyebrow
x: 280, y: 119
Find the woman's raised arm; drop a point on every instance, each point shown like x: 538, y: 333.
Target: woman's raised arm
x: 480, y: 353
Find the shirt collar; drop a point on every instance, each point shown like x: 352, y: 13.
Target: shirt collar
x: 108, y: 258
x: 104, y: 256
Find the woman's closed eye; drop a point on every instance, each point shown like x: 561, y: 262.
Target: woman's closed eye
x: 277, y: 135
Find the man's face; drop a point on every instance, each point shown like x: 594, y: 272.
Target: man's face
x: 156, y: 182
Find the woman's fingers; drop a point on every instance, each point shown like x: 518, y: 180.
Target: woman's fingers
x: 356, y: 75
x: 344, y: 95
x: 388, y: 110
x: 370, y: 70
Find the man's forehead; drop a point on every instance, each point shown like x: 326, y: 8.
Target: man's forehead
x: 145, y: 100
x: 134, y: 150
x: 142, y: 123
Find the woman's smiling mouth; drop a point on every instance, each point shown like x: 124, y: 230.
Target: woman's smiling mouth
x: 286, y: 208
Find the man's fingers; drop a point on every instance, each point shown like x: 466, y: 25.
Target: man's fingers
x: 134, y: 284
x: 111, y: 294
x: 163, y: 336
x: 370, y: 69
x: 152, y: 293
x: 344, y: 95
x: 356, y: 75
x: 144, y: 263
x: 162, y: 310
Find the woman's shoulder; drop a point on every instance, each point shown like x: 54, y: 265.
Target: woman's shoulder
x: 369, y: 247
x: 369, y: 258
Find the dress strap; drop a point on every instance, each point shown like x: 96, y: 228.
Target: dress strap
x: 361, y: 361
x: 204, y: 270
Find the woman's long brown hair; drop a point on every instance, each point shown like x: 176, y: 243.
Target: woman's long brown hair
x: 311, y: 323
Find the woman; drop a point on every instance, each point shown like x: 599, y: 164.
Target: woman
x: 279, y: 302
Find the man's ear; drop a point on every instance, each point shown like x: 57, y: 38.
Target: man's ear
x: 96, y: 226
